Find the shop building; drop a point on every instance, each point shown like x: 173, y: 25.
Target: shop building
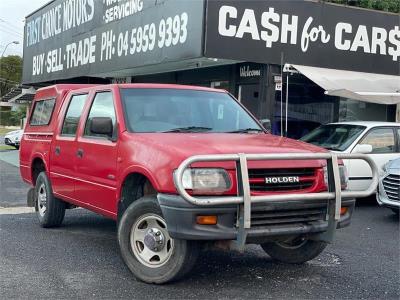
x: 296, y: 64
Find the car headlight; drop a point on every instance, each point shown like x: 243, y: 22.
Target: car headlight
x: 201, y: 180
x: 343, y: 174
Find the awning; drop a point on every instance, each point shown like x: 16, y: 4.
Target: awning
x: 368, y: 87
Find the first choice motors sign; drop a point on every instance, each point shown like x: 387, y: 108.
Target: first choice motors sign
x: 303, y: 32
x: 73, y: 38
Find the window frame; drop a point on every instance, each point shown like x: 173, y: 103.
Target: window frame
x: 51, y: 114
x: 66, y: 112
x: 114, y: 138
x: 396, y: 141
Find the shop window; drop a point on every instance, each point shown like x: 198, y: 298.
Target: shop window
x: 353, y: 110
x: 222, y: 85
x: 308, y: 108
x: 248, y: 96
x: 381, y: 139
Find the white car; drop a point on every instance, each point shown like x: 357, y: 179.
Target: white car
x: 380, y: 140
x: 389, y: 186
x: 13, y: 138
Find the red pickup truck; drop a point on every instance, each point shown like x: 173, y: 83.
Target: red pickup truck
x: 178, y: 167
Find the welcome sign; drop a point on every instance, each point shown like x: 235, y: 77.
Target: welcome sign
x: 304, y: 32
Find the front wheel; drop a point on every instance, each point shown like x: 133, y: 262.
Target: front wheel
x: 147, y: 248
x: 294, y: 251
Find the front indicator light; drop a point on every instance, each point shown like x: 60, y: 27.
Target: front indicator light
x: 206, y: 220
x: 343, y: 211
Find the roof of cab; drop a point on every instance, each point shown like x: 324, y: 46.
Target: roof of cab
x: 57, y: 89
x: 168, y: 86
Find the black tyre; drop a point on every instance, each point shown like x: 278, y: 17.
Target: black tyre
x: 295, y: 251
x: 147, y: 248
x: 49, y: 210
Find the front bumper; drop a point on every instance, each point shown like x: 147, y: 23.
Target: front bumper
x: 269, y: 220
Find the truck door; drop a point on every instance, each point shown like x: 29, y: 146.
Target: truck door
x: 63, y: 149
x: 96, y: 164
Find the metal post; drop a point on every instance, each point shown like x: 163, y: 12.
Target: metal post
x: 287, y: 103
x: 281, y: 94
x: 246, y: 190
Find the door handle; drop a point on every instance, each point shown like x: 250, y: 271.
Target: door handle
x: 79, y: 153
x: 57, y: 150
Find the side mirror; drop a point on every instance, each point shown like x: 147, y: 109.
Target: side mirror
x: 266, y: 123
x: 363, y: 148
x: 102, y: 125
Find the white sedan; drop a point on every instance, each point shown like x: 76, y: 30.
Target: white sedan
x: 380, y: 140
x: 13, y: 138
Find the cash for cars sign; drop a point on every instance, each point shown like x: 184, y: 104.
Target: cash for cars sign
x: 305, y: 33
x: 72, y: 38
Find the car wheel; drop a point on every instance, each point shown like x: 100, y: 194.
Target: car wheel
x: 294, y: 251
x: 147, y: 248
x: 49, y: 210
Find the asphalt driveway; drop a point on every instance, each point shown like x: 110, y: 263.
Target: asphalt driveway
x: 81, y: 260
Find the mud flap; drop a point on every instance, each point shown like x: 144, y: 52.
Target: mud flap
x: 30, y: 200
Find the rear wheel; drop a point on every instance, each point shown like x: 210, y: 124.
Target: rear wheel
x: 49, y: 210
x: 147, y: 248
x: 294, y: 250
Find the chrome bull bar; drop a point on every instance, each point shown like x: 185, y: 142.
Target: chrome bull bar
x: 244, y: 198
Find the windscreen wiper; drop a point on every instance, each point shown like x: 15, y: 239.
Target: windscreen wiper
x: 188, y: 129
x: 246, y: 130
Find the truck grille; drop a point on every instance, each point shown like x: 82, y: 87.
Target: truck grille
x: 262, y: 218
x: 275, y: 180
x: 391, y: 183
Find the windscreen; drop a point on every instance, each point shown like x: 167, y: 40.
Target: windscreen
x: 334, y: 136
x: 174, y: 110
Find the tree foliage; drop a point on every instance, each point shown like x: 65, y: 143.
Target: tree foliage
x: 385, y: 5
x: 10, y: 73
x: 12, y: 117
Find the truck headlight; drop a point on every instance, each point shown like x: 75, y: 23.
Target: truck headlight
x: 343, y: 174
x: 206, y: 180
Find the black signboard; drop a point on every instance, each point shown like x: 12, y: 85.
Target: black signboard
x: 72, y: 38
x: 305, y: 33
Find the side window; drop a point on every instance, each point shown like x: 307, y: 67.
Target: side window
x: 73, y: 114
x: 381, y: 139
x: 42, y: 112
x: 102, y: 106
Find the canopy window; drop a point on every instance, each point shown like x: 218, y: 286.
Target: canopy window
x: 368, y: 87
